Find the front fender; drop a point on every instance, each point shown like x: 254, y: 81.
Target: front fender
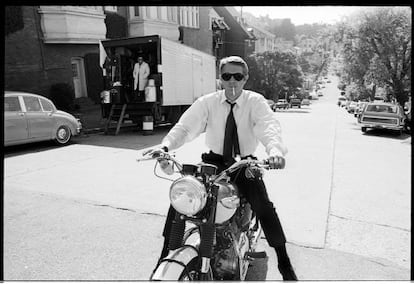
x: 172, y: 266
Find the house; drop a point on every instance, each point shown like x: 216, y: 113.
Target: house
x: 265, y: 40
x: 307, y: 44
x: 219, y: 29
x: 239, y: 39
x: 45, y: 45
x: 282, y: 44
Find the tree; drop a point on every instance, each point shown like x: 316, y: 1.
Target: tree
x: 377, y: 49
x: 283, y: 28
x: 274, y: 74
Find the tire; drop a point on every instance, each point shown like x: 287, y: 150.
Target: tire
x: 63, y: 135
x: 364, y: 129
x: 191, y: 272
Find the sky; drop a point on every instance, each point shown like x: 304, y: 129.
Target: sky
x: 300, y: 15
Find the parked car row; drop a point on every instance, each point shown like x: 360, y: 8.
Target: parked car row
x: 377, y: 115
x: 294, y: 102
x: 32, y: 118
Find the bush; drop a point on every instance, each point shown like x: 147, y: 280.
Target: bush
x: 63, y: 96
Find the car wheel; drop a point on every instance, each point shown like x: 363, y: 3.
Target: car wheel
x: 364, y: 129
x: 63, y: 135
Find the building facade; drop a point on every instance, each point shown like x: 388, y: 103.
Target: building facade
x: 54, y: 44
x: 47, y: 45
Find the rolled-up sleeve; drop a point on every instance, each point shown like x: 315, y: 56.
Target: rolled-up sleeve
x: 267, y: 129
x: 191, y: 124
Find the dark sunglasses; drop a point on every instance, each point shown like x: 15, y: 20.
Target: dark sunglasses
x: 237, y: 76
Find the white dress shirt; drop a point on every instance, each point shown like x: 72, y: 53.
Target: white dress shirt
x: 254, y: 119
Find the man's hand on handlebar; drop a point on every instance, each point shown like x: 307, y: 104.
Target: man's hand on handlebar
x: 155, y: 152
x: 276, y: 162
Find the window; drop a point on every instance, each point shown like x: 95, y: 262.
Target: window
x: 74, y: 70
x: 172, y: 14
x: 111, y: 8
x: 32, y: 104
x: 189, y: 17
x: 196, y: 17
x: 47, y: 106
x: 136, y: 11
x: 148, y: 12
x: 159, y: 14
x: 11, y: 104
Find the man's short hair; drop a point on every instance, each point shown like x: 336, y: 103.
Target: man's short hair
x: 236, y: 60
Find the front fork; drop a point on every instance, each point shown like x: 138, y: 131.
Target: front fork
x: 207, y: 234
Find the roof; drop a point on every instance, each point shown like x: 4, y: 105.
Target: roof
x: 233, y: 11
x: 263, y: 31
x: 232, y: 22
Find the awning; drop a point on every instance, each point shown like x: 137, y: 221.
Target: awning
x: 219, y: 24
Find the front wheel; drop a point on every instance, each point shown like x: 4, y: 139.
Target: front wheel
x: 192, y: 272
x: 63, y: 135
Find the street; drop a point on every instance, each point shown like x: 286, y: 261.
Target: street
x: 89, y: 211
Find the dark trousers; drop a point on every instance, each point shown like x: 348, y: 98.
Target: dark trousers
x: 254, y: 190
x: 139, y: 96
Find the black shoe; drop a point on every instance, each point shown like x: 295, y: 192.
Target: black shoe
x: 287, y: 272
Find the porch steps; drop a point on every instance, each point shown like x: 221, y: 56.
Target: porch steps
x: 116, y: 116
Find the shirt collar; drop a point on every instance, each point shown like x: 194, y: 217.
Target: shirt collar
x: 240, y: 100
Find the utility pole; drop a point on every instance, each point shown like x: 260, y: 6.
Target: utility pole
x: 241, y: 14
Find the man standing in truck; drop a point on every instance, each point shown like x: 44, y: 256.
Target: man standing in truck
x: 140, y: 73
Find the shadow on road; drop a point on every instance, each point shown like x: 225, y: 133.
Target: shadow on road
x: 17, y: 150
x: 126, y: 139
x: 293, y: 111
x: 386, y: 134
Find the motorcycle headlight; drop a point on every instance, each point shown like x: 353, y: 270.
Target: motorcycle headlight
x: 188, y: 195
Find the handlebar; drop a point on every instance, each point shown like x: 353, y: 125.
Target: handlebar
x: 264, y: 164
x: 161, y: 156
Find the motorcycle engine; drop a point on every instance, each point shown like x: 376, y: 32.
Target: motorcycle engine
x: 226, y: 255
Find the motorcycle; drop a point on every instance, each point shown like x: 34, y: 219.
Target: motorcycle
x: 221, y: 231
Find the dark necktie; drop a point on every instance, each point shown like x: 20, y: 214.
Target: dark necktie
x: 231, y: 141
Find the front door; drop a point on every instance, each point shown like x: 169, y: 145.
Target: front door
x: 78, y: 73
x: 15, y: 123
x: 40, y: 123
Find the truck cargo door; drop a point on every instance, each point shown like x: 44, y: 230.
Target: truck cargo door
x: 197, y: 76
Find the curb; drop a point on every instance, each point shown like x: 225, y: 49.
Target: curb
x: 92, y: 130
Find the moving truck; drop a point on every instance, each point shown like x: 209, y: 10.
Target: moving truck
x: 180, y: 74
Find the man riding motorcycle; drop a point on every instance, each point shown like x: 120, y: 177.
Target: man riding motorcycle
x: 241, y: 118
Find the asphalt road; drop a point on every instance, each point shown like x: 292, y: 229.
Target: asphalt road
x: 89, y: 211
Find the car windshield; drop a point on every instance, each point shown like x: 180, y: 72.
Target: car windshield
x: 382, y: 108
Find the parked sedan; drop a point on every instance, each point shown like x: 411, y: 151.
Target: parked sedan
x: 31, y: 118
x: 342, y: 101
x: 282, y: 103
x: 305, y: 102
x: 359, y: 108
x: 295, y: 102
x: 351, y: 107
x: 383, y: 116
